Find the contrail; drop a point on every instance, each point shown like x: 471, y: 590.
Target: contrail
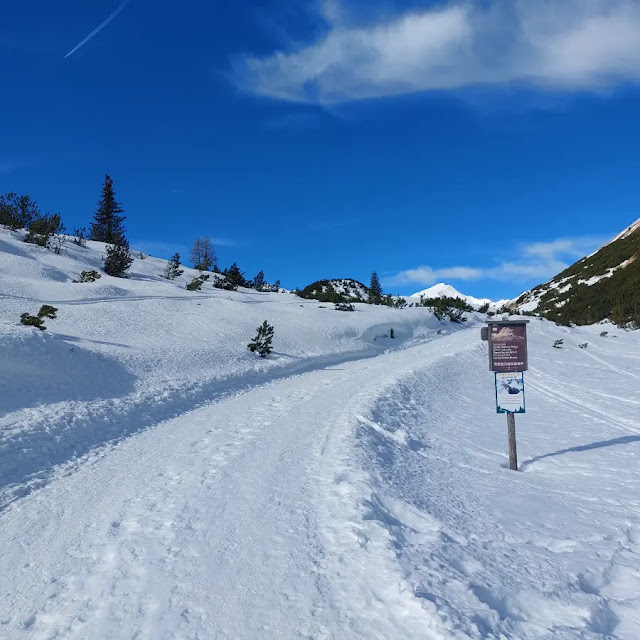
x: 99, y: 28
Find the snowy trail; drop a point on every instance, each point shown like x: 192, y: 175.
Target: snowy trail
x: 218, y: 524
x: 35, y: 440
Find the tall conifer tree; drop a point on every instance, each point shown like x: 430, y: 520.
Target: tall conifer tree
x: 375, y: 289
x: 107, y: 225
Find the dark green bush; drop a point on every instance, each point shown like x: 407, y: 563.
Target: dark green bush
x: 262, y: 342
x: 46, y: 311
x: 88, y: 276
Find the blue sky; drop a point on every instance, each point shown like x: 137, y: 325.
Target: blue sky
x: 484, y: 144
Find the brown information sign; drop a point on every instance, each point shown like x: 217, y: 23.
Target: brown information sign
x: 508, y: 347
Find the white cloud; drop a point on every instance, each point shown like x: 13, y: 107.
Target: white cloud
x: 540, y: 261
x: 558, y: 44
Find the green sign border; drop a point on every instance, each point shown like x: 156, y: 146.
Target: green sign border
x: 499, y: 409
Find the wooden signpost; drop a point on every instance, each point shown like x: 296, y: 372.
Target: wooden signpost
x: 508, y: 359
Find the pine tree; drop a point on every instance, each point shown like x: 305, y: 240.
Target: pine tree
x: 44, y: 229
x: 173, y: 270
x: 18, y: 212
x: 375, y: 289
x: 108, y: 223
x: 235, y: 276
x: 258, y: 281
x: 118, y: 260
x: 262, y: 342
x: 203, y: 256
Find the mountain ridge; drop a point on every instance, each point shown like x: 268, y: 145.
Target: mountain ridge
x: 604, y: 285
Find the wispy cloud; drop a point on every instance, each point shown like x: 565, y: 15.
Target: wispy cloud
x: 99, y: 28
x: 586, y: 45
x: 539, y: 261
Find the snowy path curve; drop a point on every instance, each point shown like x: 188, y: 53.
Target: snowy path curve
x: 222, y: 523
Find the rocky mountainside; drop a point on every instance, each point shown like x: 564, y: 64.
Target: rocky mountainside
x: 604, y: 285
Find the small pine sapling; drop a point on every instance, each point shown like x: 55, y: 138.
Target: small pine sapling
x: 584, y: 345
x: 80, y: 236
x: 392, y: 333
x: 196, y: 283
x: 224, y: 284
x: 32, y: 321
x: 118, y: 260
x: 558, y: 344
x: 46, y: 311
x: 262, y: 342
x: 88, y: 276
x: 173, y: 270
x: 44, y: 229
x: 604, y: 334
x: 344, y: 306
x: 258, y: 282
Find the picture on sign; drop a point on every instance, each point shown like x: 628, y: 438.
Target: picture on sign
x: 510, y: 392
x: 508, y: 347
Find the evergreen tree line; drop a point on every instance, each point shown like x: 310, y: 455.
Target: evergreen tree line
x: 47, y: 230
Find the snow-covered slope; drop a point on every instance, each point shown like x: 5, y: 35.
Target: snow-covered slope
x: 158, y: 481
x: 443, y: 290
x: 123, y: 354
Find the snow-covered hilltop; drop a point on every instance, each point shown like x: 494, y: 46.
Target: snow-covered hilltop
x: 346, y: 289
x: 443, y: 290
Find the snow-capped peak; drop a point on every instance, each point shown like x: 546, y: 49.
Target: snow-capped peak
x: 442, y: 290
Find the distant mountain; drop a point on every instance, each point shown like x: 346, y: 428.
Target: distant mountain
x: 337, y: 289
x: 604, y: 285
x: 443, y: 290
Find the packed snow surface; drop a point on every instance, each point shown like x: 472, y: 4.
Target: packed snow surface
x: 158, y: 481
